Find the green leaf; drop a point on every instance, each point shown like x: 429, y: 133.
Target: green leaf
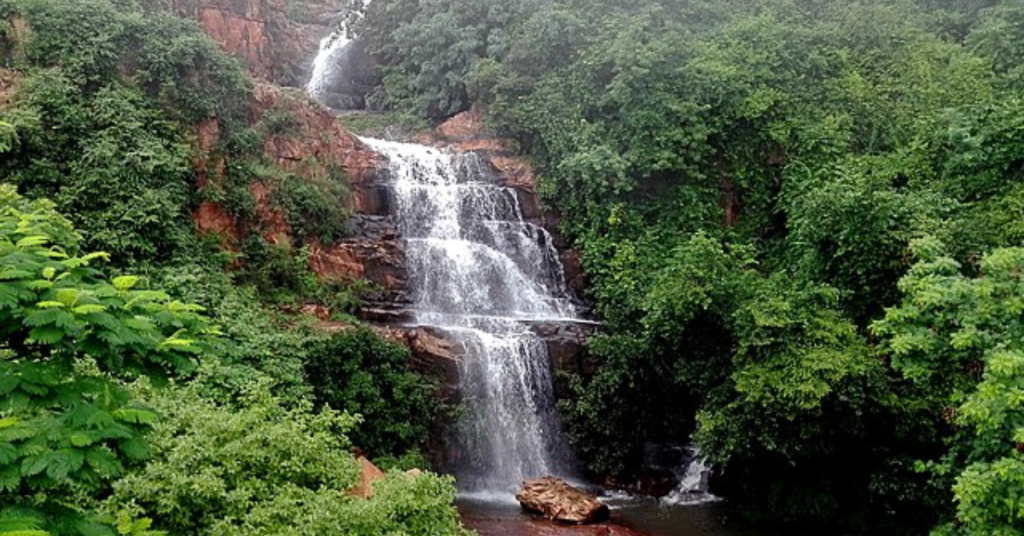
x: 10, y: 478
x: 124, y: 283
x: 88, y: 309
x: 33, y: 465
x: 136, y: 449
x: 8, y: 453
x: 59, y: 465
x: 68, y: 296
x: 47, y: 334
x: 30, y: 241
x: 8, y: 383
x: 136, y: 416
x: 10, y: 273
x: 81, y: 439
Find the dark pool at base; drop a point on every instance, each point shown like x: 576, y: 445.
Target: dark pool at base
x: 645, y: 516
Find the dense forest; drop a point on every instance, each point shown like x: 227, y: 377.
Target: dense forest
x: 801, y: 222
x: 150, y: 380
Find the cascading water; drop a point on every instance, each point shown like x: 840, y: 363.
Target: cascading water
x: 336, y: 69
x: 482, y: 274
x: 323, y: 64
x: 693, y: 483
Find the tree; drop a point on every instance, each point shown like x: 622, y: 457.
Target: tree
x: 963, y: 338
x: 66, y: 336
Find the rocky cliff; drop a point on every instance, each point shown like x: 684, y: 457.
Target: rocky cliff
x: 277, y: 39
x: 277, y: 43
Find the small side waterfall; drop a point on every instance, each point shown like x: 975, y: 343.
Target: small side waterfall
x: 481, y: 273
x: 693, y: 483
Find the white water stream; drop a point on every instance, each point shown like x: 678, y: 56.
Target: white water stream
x: 482, y: 274
x: 479, y: 272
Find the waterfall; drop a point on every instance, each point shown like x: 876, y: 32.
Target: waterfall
x: 482, y: 274
x: 332, y: 66
x: 324, y: 65
x: 693, y: 483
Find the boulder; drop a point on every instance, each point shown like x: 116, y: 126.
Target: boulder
x: 368, y: 475
x: 558, y: 501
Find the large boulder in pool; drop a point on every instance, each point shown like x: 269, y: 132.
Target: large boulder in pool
x: 558, y: 501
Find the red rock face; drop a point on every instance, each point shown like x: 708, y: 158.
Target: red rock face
x: 8, y: 80
x: 319, y: 144
x: 213, y: 218
x: 267, y: 35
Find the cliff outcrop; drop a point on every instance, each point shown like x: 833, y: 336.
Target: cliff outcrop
x: 276, y: 39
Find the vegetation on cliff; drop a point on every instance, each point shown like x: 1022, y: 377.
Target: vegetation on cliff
x: 153, y: 387
x: 800, y: 220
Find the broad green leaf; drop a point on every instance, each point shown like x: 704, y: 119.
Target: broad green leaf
x: 80, y: 439
x: 88, y: 309
x: 68, y: 296
x: 135, y: 416
x: 33, y: 465
x: 124, y: 283
x: 30, y: 241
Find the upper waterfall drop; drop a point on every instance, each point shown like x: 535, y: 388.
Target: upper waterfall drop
x: 481, y: 273
x: 323, y: 64
x: 342, y: 68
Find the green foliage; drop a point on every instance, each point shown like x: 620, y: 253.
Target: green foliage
x: 67, y: 427
x: 125, y: 185
x: 745, y: 181
x: 107, y: 98
x: 961, y: 338
x: 258, y: 467
x: 362, y: 374
x: 387, y: 125
x: 447, y: 39
x: 7, y: 137
x: 218, y: 462
x: 106, y: 147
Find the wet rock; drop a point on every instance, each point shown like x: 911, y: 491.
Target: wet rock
x: 381, y: 262
x: 653, y: 482
x: 568, y: 352
x: 432, y: 353
x: 558, y: 501
x: 369, y: 474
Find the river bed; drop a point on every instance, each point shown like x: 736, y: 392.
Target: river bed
x: 630, y: 517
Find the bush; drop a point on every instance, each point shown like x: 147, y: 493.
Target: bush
x: 260, y: 469
x: 358, y: 372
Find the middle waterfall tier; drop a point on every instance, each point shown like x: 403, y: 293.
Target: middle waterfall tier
x: 481, y: 273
